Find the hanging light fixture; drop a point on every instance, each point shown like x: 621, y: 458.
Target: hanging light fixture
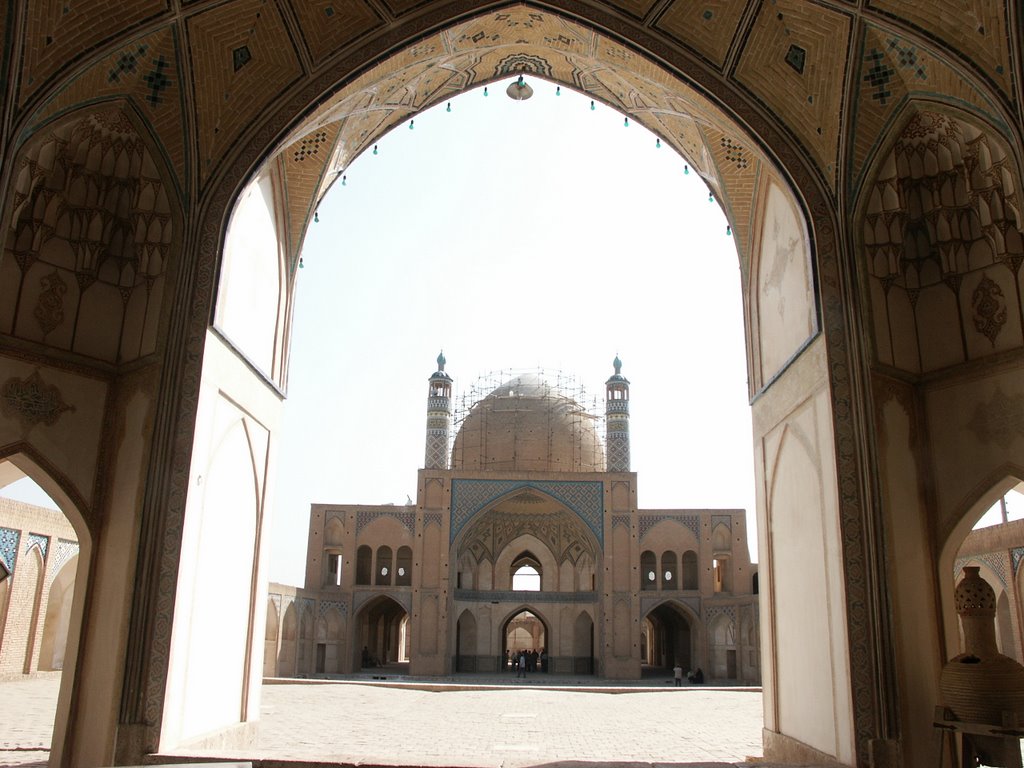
x: 519, y: 90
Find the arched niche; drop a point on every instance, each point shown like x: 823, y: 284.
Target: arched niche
x: 941, y: 242
x: 91, y: 233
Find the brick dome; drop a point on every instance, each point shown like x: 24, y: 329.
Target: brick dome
x: 528, y: 425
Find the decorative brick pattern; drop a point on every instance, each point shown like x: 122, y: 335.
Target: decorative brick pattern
x: 585, y: 498
x: 976, y: 28
x: 647, y: 522
x: 707, y: 27
x: 407, y: 518
x: 340, y: 606
x: 811, y: 105
x: 66, y: 549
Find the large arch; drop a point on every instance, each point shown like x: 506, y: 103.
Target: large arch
x: 817, y: 124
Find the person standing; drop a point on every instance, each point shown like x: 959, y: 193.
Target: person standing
x: 677, y: 674
x: 522, y: 664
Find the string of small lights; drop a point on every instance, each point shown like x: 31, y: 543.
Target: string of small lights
x: 519, y: 90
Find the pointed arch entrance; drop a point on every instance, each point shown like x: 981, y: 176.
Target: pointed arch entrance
x: 46, y: 585
x: 669, y: 638
x: 525, y: 632
x: 381, y: 634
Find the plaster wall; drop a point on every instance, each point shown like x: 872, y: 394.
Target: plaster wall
x: 249, y: 302
x: 215, y: 667
x: 783, y: 287
x: 800, y: 574
x: 912, y: 581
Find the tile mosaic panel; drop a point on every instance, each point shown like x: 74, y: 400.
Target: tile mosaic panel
x: 9, y: 539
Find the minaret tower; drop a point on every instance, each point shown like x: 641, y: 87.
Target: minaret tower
x: 439, y: 416
x: 617, y: 420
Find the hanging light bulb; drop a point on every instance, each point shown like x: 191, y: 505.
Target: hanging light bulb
x: 375, y: 149
x: 558, y: 91
x: 625, y: 122
x: 711, y: 197
x: 728, y: 230
x: 344, y: 179
x: 449, y: 109
x: 316, y: 217
x: 657, y: 143
x: 412, y: 124
x: 301, y: 265
x: 686, y: 170
x: 592, y: 107
x: 485, y: 90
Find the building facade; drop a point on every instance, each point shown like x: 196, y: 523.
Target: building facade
x: 38, y: 562
x: 527, y: 490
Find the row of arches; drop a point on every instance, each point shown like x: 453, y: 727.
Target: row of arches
x: 383, y: 567
x: 319, y: 638
x: 674, y: 572
x: 561, y: 639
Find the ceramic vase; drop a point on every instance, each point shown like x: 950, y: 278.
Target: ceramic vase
x: 981, y: 684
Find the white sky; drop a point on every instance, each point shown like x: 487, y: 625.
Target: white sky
x: 513, y: 235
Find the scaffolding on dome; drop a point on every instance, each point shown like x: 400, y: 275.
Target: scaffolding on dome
x: 581, y: 409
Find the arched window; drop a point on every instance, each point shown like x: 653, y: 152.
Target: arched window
x: 669, y: 572
x: 690, y: 576
x: 648, y: 570
x: 526, y: 573
x: 364, y: 565
x: 403, y: 567
x: 383, y: 578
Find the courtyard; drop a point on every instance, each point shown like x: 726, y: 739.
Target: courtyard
x: 455, y: 725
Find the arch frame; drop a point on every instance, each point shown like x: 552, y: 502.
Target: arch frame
x: 861, y: 538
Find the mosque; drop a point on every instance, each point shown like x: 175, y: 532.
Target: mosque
x: 525, y: 536
x: 161, y: 162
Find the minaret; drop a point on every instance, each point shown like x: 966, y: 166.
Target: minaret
x: 617, y: 420
x: 439, y: 415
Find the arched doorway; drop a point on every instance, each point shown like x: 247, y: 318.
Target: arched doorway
x: 381, y: 634
x: 670, y: 640
x: 44, y: 555
x: 525, y: 633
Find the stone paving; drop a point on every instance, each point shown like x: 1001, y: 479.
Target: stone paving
x: 503, y: 727
x: 26, y: 720
x: 464, y: 725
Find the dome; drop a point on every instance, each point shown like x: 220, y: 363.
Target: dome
x: 526, y: 424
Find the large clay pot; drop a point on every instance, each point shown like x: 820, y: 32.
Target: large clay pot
x: 981, y: 684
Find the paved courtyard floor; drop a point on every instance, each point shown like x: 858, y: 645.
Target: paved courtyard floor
x: 463, y: 725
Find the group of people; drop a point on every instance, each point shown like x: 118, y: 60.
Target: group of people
x: 695, y: 677
x: 524, y: 661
